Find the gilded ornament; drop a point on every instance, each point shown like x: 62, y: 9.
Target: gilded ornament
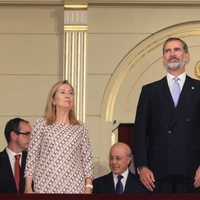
x: 197, y: 69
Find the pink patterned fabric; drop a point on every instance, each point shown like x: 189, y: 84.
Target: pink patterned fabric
x: 59, y: 158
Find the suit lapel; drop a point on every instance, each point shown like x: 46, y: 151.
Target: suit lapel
x: 110, y: 187
x: 7, y: 167
x: 170, y: 113
x: 129, y: 184
x: 167, y: 103
x: 184, y: 102
x: 22, y: 182
x: 166, y: 94
x: 24, y: 154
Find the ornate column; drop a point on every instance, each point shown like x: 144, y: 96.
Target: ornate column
x: 75, y: 27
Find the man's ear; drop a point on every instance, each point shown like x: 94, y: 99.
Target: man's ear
x: 130, y: 161
x: 13, y: 135
x: 187, y: 57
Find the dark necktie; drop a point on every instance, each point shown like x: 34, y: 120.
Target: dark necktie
x: 119, y: 186
x: 175, y: 90
x: 17, y: 171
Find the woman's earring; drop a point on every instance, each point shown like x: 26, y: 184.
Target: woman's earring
x: 54, y: 107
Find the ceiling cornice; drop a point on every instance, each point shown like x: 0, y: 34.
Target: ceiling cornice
x: 135, y: 2
x: 32, y: 2
x: 104, y: 2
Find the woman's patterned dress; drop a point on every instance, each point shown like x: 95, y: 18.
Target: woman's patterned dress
x: 59, y: 158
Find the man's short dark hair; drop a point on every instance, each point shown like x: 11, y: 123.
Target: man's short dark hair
x: 185, y: 46
x: 12, y: 125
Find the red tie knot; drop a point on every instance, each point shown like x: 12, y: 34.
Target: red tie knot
x: 17, y: 157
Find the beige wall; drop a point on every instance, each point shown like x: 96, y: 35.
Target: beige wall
x: 123, y: 52
x: 30, y: 59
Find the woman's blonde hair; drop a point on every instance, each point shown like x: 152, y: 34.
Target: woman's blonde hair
x: 50, y: 109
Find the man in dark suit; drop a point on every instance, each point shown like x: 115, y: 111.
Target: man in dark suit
x: 167, y: 130
x: 119, y: 159
x: 17, y: 133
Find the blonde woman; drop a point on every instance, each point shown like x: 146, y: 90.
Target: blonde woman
x: 59, y: 156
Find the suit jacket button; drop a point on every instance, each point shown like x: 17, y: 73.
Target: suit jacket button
x: 169, y: 131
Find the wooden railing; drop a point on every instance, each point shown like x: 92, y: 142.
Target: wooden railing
x: 99, y: 197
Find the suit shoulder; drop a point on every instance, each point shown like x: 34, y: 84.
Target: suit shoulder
x: 134, y: 176
x: 3, y: 153
x: 150, y: 87
x: 193, y: 80
x: 153, y: 84
x: 101, y: 178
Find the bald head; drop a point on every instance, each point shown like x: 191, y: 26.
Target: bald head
x: 121, y: 147
x: 120, y: 158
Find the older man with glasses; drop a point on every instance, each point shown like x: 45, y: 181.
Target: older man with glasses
x: 120, y: 180
x: 12, y: 159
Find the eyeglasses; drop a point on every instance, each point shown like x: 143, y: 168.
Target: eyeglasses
x: 26, y: 133
x: 117, y: 158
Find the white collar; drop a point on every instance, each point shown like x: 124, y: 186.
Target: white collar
x: 11, y: 153
x: 181, y: 76
x: 124, y: 174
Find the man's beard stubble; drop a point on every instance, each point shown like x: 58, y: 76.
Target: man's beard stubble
x: 175, y: 66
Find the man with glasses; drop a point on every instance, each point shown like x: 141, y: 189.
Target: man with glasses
x: 12, y: 159
x: 120, y: 180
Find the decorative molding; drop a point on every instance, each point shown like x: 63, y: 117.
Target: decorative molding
x: 135, y: 2
x: 31, y: 2
x: 152, y: 42
x: 75, y: 27
x: 75, y: 68
x: 197, y: 69
x: 75, y: 17
x: 75, y: 6
x: 102, y: 2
